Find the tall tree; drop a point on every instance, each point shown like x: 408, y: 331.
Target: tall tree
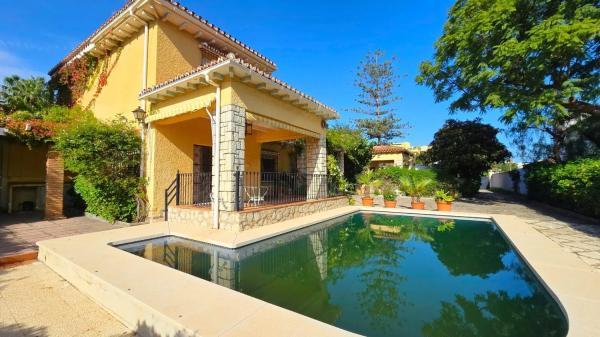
x: 464, y: 150
x: 376, y: 79
x: 17, y: 93
x: 536, y: 60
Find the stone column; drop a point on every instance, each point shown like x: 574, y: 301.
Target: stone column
x: 55, y: 181
x: 316, y: 169
x: 233, y: 134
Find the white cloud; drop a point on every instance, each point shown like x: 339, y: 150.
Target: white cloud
x: 11, y: 64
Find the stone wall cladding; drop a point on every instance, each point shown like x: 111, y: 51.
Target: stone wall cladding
x: 316, y: 164
x: 55, y: 180
x: 233, y: 133
x: 248, y: 219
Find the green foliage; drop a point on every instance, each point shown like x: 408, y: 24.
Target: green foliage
x: 441, y: 195
x: 572, y: 185
x: 104, y: 157
x: 416, y: 187
x: 369, y: 183
x: 504, y: 166
x: 463, y: 151
x: 24, y: 94
x: 537, y: 61
x: 395, y: 173
x: 356, y: 149
x: 334, y: 173
x: 376, y: 79
x: 388, y: 193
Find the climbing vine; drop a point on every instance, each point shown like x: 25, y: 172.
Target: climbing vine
x: 75, y: 77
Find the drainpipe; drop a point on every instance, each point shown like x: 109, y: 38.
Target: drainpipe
x: 216, y: 153
x: 145, y: 61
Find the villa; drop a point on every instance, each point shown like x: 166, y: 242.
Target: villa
x: 190, y: 78
x: 400, y: 154
x: 248, y: 235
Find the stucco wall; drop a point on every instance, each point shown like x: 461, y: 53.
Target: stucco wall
x: 172, y: 150
x: 252, y: 157
x: 124, y: 82
x: 19, y: 164
x: 262, y: 103
x: 177, y: 52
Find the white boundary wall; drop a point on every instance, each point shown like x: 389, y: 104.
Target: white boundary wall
x: 504, y: 181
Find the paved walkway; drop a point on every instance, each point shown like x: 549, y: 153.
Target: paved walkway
x: 20, y: 232
x: 574, y: 233
x: 35, y: 301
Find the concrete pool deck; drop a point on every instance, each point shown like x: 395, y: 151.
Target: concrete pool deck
x: 156, y: 300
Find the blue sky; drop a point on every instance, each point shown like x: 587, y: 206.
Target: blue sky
x: 316, y: 44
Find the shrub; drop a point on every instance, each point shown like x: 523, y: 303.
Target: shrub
x: 395, y: 174
x: 464, y: 151
x: 104, y: 157
x: 572, y: 185
x: 355, y: 147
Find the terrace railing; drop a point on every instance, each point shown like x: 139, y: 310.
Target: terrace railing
x: 252, y: 189
x: 256, y: 189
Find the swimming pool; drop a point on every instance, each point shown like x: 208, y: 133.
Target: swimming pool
x: 382, y: 275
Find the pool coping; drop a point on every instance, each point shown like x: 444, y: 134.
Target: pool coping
x: 165, y: 304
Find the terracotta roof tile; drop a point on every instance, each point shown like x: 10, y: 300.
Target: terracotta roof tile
x: 389, y: 149
x: 87, y: 41
x: 240, y: 62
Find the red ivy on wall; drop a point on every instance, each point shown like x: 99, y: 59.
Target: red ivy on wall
x: 30, y: 131
x: 76, y: 74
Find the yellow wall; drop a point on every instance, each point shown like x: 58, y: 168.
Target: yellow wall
x: 252, y: 154
x: 399, y: 159
x: 20, y: 165
x: 174, y: 150
x: 124, y: 81
x: 170, y: 53
x: 264, y: 104
x: 25, y: 165
x: 177, y: 50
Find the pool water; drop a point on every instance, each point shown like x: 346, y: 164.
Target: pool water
x: 382, y: 275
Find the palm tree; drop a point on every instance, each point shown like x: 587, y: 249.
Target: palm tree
x: 415, y: 187
x: 30, y: 95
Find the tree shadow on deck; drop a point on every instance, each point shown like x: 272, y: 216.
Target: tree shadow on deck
x: 20, y: 330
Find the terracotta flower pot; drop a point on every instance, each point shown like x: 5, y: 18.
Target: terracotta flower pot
x: 417, y: 204
x: 444, y: 206
x: 367, y: 201
x: 390, y: 203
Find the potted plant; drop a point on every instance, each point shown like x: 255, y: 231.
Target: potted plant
x: 415, y: 188
x: 368, y: 184
x: 444, y: 200
x: 389, y: 197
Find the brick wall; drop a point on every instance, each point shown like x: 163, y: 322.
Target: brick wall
x: 55, y: 178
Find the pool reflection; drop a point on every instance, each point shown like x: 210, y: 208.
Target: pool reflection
x: 381, y: 275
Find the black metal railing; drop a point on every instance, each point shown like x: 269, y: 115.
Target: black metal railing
x: 195, y: 189
x: 255, y: 189
x: 171, y: 193
x: 251, y: 189
x: 189, y: 189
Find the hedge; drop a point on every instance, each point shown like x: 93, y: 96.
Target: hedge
x: 572, y: 185
x: 104, y: 156
x: 394, y: 173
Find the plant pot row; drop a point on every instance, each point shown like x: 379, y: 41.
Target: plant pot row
x: 443, y: 206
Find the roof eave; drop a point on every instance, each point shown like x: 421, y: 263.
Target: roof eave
x: 131, y: 8
x: 248, y: 76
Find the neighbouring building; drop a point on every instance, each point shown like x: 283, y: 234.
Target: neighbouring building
x: 219, y: 125
x: 399, y: 154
